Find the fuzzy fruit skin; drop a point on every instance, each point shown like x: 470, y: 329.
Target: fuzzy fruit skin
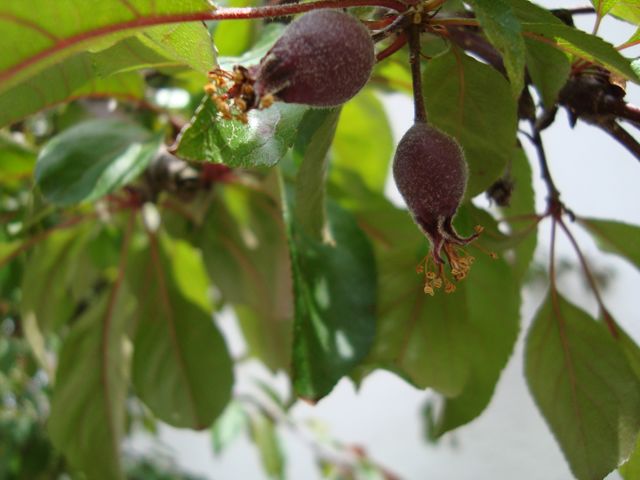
x: 322, y: 59
x: 431, y: 174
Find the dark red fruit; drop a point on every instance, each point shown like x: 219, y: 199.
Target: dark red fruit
x: 431, y: 174
x: 322, y: 59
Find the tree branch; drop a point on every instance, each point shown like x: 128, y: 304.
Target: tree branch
x: 623, y: 137
x: 553, y: 194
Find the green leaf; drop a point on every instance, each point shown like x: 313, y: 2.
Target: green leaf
x: 234, y: 38
x: 634, y: 39
x: 39, y: 34
x: 419, y: 337
x: 537, y: 20
x: 628, y: 10
x: 363, y: 143
x: 132, y: 53
x: 583, y: 45
x: 65, y: 82
x: 528, y: 11
x: 454, y: 343
x: 493, y: 302
x: 473, y: 102
x: 603, y: 6
x: 87, y: 421
x: 228, y: 426
x: 92, y: 159
x: 582, y: 384
x: 631, y: 468
x: 263, y: 141
x: 51, y: 269
x: 631, y: 351
x: 312, y: 143
x: 181, y: 367
x: 188, y: 43
x: 108, y: 73
x: 16, y: 160
x: 393, y: 75
x: 502, y: 27
x: 264, y: 435
x: 245, y: 252
x: 616, y: 237
x: 268, y: 36
x: 549, y: 69
x: 335, y: 291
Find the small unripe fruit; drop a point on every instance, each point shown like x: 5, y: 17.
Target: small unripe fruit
x: 431, y: 174
x: 322, y: 59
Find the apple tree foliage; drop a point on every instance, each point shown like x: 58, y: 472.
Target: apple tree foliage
x: 128, y: 222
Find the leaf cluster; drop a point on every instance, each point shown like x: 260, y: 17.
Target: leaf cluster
x: 132, y: 215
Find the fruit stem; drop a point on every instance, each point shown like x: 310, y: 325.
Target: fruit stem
x: 416, y: 75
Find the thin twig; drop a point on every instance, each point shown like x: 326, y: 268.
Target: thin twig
x: 623, y: 137
x: 552, y: 261
x: 536, y: 140
x: 578, y: 10
x: 591, y: 279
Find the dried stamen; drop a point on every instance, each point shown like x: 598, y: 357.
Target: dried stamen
x: 232, y: 92
x: 445, y: 240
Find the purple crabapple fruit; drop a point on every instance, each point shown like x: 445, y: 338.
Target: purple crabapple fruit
x: 431, y: 174
x: 322, y: 59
